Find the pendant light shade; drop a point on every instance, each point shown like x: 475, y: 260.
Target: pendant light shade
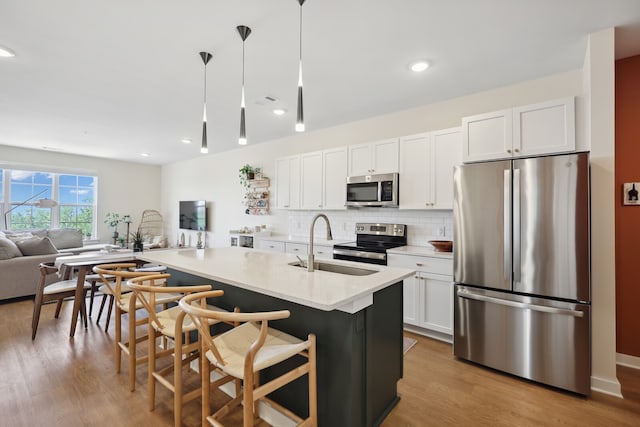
x: 244, y: 32
x: 300, y: 115
x: 204, y: 149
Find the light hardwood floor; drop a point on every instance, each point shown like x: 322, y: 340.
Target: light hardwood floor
x: 57, y: 381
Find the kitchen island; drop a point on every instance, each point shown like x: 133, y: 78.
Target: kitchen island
x: 357, y: 321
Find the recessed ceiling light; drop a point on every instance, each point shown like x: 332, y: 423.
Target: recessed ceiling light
x: 5, y: 52
x: 419, y: 66
x: 279, y: 111
x: 185, y: 141
x: 145, y: 154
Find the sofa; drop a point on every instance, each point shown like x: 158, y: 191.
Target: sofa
x: 21, y: 252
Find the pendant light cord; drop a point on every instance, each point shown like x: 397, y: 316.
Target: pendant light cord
x: 300, y: 36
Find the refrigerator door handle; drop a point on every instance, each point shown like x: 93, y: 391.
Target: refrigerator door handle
x: 507, y: 226
x: 517, y: 266
x: 535, y: 307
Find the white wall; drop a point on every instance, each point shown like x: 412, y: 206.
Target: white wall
x: 215, y: 177
x: 599, y: 79
x: 125, y: 188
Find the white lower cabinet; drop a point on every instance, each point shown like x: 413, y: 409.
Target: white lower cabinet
x: 271, y: 245
x: 295, y: 248
x: 323, y: 251
x: 427, y: 295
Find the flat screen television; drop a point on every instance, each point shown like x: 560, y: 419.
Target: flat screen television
x: 193, y: 215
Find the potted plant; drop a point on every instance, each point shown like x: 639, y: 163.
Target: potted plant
x: 246, y: 173
x: 138, y: 240
x: 113, y: 219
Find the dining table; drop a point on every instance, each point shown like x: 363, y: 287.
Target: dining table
x: 84, y: 263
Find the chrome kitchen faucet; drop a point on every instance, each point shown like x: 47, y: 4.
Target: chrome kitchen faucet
x: 310, y: 258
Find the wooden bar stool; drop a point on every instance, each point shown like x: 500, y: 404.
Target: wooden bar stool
x: 126, y: 303
x: 56, y: 291
x: 242, y: 352
x: 171, y: 323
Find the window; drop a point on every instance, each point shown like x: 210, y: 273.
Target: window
x: 22, y: 192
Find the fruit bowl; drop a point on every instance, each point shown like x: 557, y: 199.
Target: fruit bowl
x: 442, y: 245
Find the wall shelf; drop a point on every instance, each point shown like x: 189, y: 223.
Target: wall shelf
x: 256, y: 197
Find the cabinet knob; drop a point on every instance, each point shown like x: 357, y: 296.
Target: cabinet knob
x: 517, y: 150
x: 286, y: 206
x: 416, y: 277
x: 419, y: 264
x: 295, y: 250
x: 509, y: 151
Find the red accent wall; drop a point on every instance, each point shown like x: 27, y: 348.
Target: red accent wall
x: 627, y: 164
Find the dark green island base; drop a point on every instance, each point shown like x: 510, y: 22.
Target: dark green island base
x: 359, y: 356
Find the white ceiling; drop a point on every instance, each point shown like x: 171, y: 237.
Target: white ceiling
x: 117, y: 78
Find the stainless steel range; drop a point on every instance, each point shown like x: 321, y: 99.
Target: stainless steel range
x: 372, y: 242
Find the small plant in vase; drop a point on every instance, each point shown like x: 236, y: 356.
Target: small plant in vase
x: 138, y: 241
x: 246, y: 173
x: 113, y: 219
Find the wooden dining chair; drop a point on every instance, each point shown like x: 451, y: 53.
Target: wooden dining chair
x: 173, y: 324
x: 242, y: 352
x: 126, y: 303
x: 56, y: 291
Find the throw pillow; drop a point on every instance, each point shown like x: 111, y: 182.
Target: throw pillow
x: 64, y: 238
x: 36, y: 246
x: 8, y: 249
x: 19, y: 235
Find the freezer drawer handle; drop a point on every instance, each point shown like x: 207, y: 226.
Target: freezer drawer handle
x: 553, y: 310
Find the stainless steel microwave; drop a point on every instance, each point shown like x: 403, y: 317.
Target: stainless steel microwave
x: 373, y: 191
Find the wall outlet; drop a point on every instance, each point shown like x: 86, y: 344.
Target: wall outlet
x: 440, y: 230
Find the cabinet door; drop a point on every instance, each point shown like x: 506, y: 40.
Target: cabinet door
x: 335, y: 178
x: 437, y: 303
x: 311, y: 180
x: 288, y: 183
x: 487, y: 136
x: 385, y: 156
x: 415, y: 171
x: 411, y: 300
x: 446, y: 152
x: 360, y: 159
x: 544, y: 128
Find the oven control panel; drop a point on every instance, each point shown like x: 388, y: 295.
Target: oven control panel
x: 381, y: 229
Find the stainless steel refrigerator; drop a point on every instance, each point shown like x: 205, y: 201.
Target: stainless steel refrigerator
x: 521, y: 267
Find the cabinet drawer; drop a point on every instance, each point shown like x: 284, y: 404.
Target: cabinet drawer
x: 295, y: 248
x: 323, y: 251
x: 272, y: 245
x: 422, y: 263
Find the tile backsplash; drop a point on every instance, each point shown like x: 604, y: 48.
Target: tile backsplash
x: 422, y: 226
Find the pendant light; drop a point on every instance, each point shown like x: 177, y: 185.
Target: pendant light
x: 244, y: 33
x: 204, y: 149
x: 300, y: 117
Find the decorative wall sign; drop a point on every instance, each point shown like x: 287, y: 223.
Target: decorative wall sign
x: 630, y: 193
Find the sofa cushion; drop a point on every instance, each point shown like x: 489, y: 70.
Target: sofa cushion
x: 64, y: 238
x: 36, y: 246
x: 8, y: 249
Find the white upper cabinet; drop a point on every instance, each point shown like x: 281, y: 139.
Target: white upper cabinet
x: 334, y: 175
x: 544, y: 128
x: 311, y: 180
x: 426, y: 169
x: 288, y: 183
x: 374, y: 158
x: 323, y: 179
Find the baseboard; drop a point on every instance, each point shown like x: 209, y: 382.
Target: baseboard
x: 628, y: 360
x: 428, y: 333
x: 606, y: 386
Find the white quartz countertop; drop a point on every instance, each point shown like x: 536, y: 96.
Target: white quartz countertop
x: 420, y: 251
x: 269, y: 273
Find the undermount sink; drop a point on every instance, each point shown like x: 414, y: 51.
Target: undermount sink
x: 336, y: 268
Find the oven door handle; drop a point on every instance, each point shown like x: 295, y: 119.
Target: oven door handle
x: 359, y: 254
